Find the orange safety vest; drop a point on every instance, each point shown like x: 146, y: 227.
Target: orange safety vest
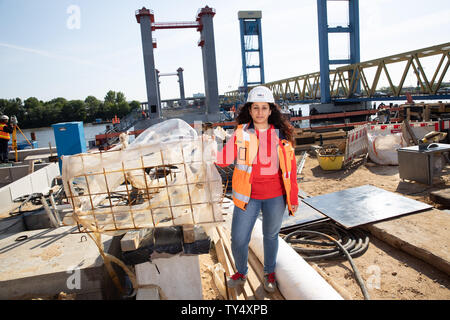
x: 3, y: 134
x: 247, y: 148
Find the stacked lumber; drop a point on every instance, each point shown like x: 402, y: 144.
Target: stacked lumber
x: 253, y: 288
x: 425, y: 111
x: 305, y: 138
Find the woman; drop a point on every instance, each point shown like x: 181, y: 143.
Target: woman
x: 264, y: 179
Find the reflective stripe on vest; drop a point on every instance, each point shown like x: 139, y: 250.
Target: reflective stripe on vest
x: 240, y: 197
x: 3, y: 134
x: 243, y: 167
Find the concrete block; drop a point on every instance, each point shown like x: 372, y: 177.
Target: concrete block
x: 148, y: 294
x: 21, y: 187
x: 52, y: 172
x: 39, y: 180
x: 177, y: 276
x: 19, y: 172
x: 51, y: 261
x: 12, y: 225
x: 441, y: 196
x: 5, y: 175
x: 37, y: 219
x: 6, y: 201
x: 22, y: 154
x: 416, y: 234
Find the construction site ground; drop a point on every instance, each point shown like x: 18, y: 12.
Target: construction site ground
x: 388, y: 272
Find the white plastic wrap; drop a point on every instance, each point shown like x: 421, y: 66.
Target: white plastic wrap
x: 168, y: 168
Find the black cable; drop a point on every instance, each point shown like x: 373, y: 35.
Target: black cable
x: 342, y: 244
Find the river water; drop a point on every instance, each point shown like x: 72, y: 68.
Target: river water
x: 46, y: 135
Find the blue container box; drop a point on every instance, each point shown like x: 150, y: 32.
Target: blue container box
x: 69, y: 138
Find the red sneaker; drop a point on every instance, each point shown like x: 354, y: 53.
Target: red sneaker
x: 237, y: 279
x: 270, y: 283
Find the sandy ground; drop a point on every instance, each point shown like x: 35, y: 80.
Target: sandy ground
x: 389, y: 273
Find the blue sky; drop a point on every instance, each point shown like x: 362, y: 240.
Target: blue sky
x: 41, y: 56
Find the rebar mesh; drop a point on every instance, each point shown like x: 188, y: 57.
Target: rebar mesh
x: 147, y: 185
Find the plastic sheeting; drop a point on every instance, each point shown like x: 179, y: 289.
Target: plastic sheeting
x: 165, y: 177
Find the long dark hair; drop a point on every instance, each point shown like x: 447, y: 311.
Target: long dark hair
x: 276, y: 118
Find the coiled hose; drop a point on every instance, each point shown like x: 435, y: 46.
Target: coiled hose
x: 344, y: 243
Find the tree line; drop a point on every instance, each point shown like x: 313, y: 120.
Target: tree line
x: 34, y: 113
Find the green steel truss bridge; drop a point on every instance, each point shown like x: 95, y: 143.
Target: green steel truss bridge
x: 378, y: 80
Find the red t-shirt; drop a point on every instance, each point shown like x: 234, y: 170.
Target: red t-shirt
x: 266, y: 179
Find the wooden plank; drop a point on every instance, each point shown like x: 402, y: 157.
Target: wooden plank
x: 212, y: 233
x: 131, y: 240
x: 247, y: 290
x: 441, y: 196
x: 221, y: 256
x: 256, y: 275
x: 188, y: 233
x: 259, y: 270
x: 31, y: 166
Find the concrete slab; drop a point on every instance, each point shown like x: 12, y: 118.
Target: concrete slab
x: 416, y: 234
x: 13, y: 173
x: 22, y: 154
x: 177, y: 276
x: 38, y: 181
x: 50, y: 261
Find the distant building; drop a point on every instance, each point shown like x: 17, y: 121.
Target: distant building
x: 198, y: 95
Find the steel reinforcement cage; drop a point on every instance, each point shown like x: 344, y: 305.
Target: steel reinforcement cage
x: 151, y: 186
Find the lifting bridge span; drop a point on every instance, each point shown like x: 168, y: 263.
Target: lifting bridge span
x: 345, y: 79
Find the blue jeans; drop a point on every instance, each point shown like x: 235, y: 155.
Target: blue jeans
x: 242, y: 227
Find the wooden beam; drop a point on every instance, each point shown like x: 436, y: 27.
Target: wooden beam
x: 131, y: 240
x: 256, y: 275
x: 221, y: 256
x: 247, y: 290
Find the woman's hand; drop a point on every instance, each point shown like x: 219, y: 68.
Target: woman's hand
x: 294, y: 208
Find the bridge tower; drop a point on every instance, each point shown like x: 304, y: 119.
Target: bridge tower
x: 354, y: 57
x: 204, y: 25
x: 181, y: 82
x: 179, y: 73
x: 250, y: 27
x: 145, y: 18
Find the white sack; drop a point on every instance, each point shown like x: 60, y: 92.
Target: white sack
x: 383, y: 147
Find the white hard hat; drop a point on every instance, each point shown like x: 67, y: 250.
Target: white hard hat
x: 5, y: 117
x: 260, y: 94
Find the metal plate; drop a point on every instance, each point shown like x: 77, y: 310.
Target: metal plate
x: 366, y: 204
x: 305, y: 214
x: 440, y: 147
